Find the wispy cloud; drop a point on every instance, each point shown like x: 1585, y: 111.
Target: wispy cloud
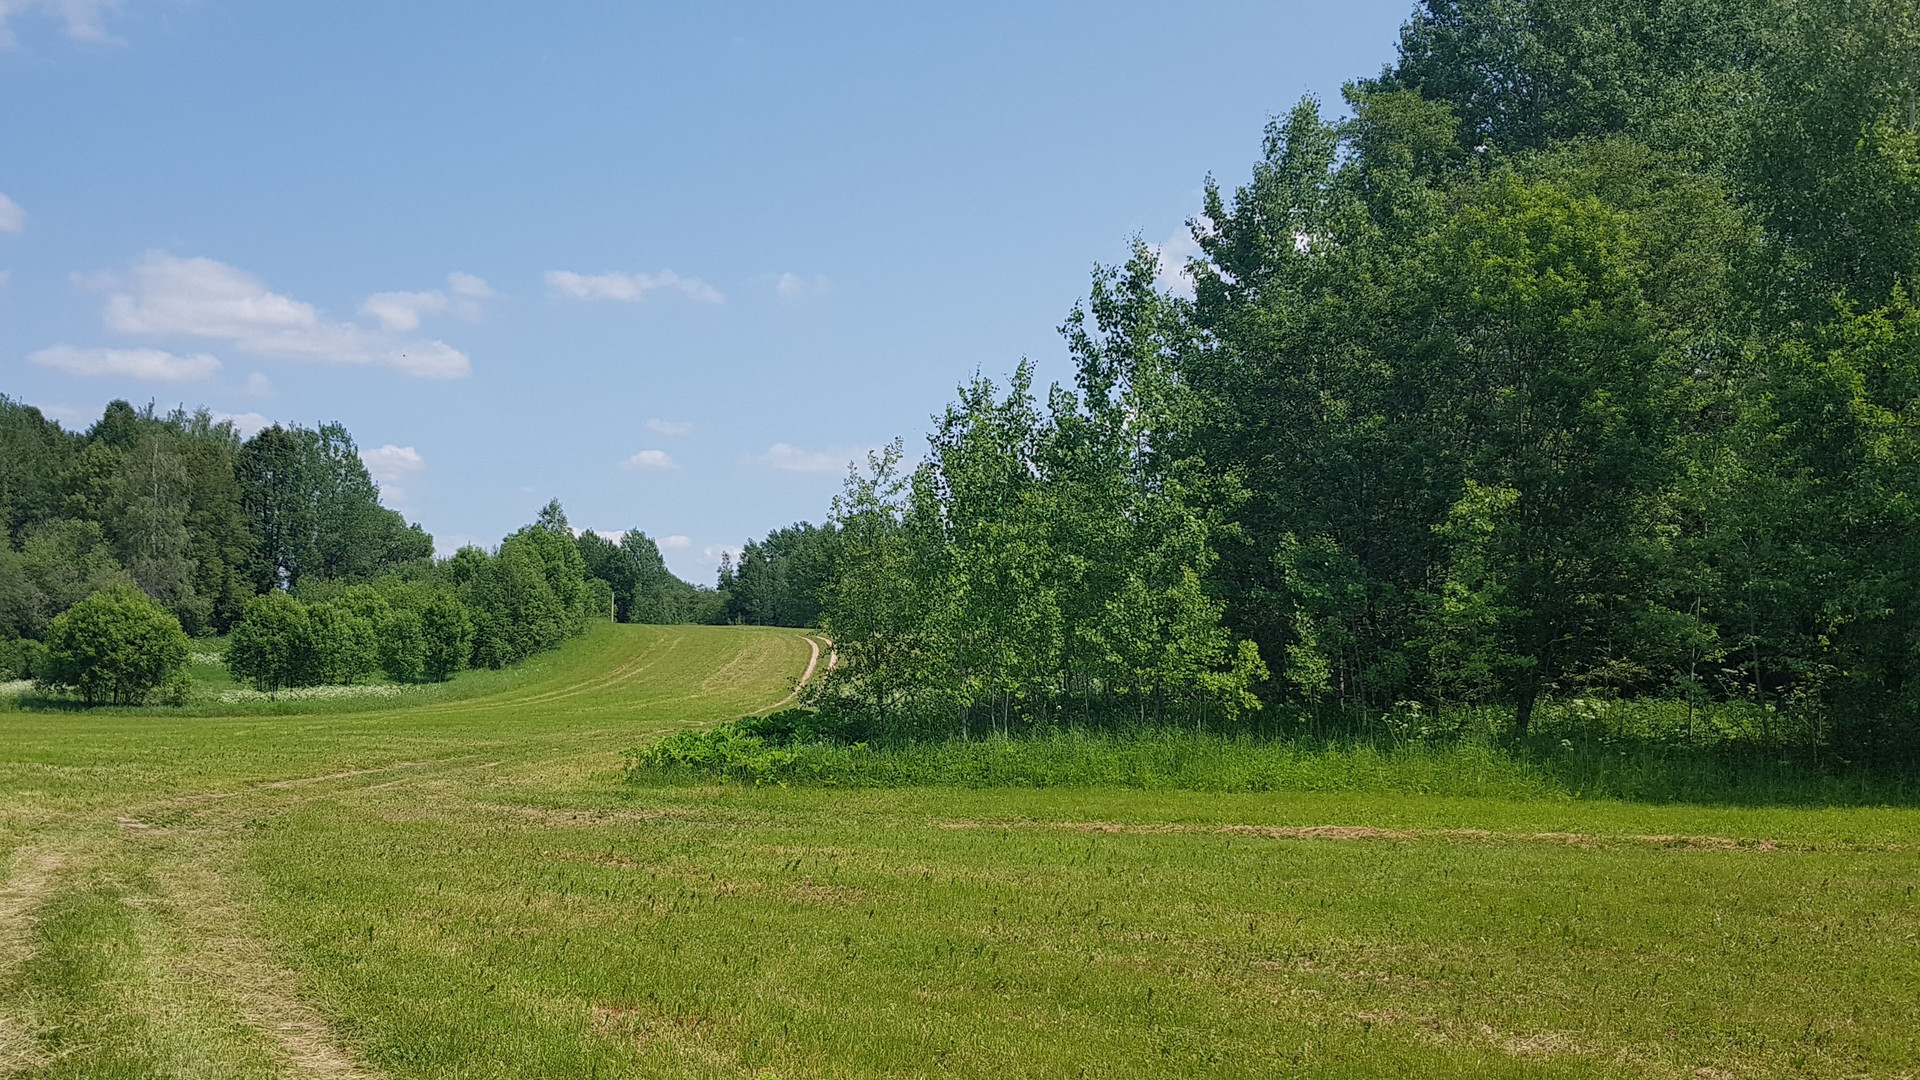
x: 711, y: 555
x: 630, y: 288
x: 670, y: 427
x: 388, y: 465
x: 258, y: 385
x: 674, y: 543
x: 1172, y: 258
x: 402, y: 311
x: 793, y: 287
x: 786, y: 458
x: 12, y: 218
x: 248, y: 424
x: 651, y: 459
x: 85, y: 19
x: 163, y: 295
x: 155, y: 364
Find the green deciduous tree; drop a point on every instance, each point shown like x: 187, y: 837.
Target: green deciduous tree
x: 114, y: 647
x: 275, y: 645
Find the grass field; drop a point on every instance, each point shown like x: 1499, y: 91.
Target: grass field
x: 461, y: 885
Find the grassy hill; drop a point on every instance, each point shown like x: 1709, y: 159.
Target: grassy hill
x: 461, y: 886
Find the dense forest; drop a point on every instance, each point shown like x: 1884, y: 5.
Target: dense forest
x: 1578, y: 357
x: 280, y: 541
x: 1575, y: 355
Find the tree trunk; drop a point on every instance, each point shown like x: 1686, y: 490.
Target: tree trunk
x: 1523, y: 708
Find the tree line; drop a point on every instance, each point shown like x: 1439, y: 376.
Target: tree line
x: 1579, y: 357
x: 181, y: 508
x: 151, y: 520
x: 280, y: 541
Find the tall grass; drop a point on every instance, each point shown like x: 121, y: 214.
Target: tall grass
x: 1647, y: 751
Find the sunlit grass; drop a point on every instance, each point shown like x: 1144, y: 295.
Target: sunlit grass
x: 468, y: 887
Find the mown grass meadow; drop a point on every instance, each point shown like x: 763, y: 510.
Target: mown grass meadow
x: 472, y: 887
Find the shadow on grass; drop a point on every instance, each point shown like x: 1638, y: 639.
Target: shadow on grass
x: 1558, y: 761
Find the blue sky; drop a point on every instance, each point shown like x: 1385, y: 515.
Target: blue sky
x: 675, y: 264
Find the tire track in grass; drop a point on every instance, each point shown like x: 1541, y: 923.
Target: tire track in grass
x: 205, y: 942
x: 812, y: 661
x: 30, y: 878
x: 220, y: 951
x: 636, y: 665
x: 1371, y: 832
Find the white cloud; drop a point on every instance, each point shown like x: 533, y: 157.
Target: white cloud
x: 793, y: 287
x: 388, y: 464
x: 651, y: 459
x: 670, y: 427
x: 469, y: 286
x: 401, y: 312
x: 1172, y: 257
x: 674, y: 543
x: 166, y: 296
x: 12, y: 218
x: 787, y: 458
x: 259, y: 385
x: 127, y: 363
x: 248, y: 424
x: 630, y: 288
x: 712, y: 554
x: 84, y: 18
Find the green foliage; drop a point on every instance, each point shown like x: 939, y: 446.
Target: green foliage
x: 315, y: 511
x: 403, y: 646
x: 178, y: 505
x: 781, y: 580
x: 1581, y: 749
x: 1576, y: 360
x: 115, y: 647
x: 275, y: 645
x: 1042, y: 565
x: 346, y: 643
x: 529, y: 595
x: 643, y: 589
x: 446, y: 631
x: 22, y: 658
x: 62, y: 562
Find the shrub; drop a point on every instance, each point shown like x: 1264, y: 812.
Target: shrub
x: 22, y: 658
x: 403, y: 646
x: 274, y: 644
x: 347, y: 645
x: 115, y: 646
x: 447, y: 636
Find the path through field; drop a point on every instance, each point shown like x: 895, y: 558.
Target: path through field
x: 128, y: 943
x: 465, y: 888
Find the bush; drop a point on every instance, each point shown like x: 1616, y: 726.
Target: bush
x: 447, y: 634
x: 347, y: 644
x: 1608, y: 760
x: 22, y: 658
x: 274, y: 644
x: 115, y: 646
x: 403, y: 647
